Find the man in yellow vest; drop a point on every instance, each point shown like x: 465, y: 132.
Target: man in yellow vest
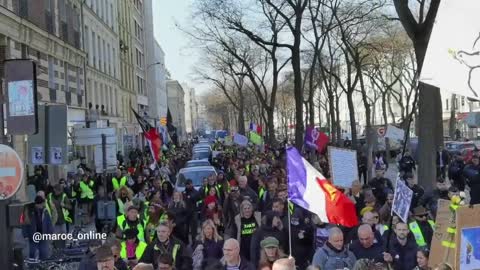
x: 165, y: 244
x: 85, y: 188
x: 130, y: 220
x: 119, y: 180
x: 132, y: 248
x: 58, y: 200
x: 422, y: 227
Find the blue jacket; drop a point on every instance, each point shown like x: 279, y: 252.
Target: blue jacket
x: 31, y: 228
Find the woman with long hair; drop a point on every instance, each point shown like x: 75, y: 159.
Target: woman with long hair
x: 167, y: 192
x: 270, y: 251
x: 179, y: 209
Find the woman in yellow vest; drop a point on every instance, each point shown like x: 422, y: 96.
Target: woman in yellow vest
x: 132, y: 248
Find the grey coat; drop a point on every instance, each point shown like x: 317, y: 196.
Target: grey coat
x: 327, y: 259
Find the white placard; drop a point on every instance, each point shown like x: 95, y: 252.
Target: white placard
x: 56, y: 155
x: 38, y: 157
x: 402, y: 200
x: 240, y: 140
x: 395, y: 133
x: 452, y: 61
x: 343, y: 166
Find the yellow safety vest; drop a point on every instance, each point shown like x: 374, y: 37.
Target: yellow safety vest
x: 123, y: 225
x: 86, y: 191
x: 138, y: 250
x: 417, y: 232
x: 64, y: 210
x: 217, y: 188
x: 261, y: 193
x: 175, y: 250
x: 116, y: 185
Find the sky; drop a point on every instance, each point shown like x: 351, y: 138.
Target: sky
x: 179, y: 57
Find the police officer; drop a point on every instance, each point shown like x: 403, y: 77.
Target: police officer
x: 472, y: 175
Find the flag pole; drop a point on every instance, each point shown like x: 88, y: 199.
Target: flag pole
x: 289, y: 228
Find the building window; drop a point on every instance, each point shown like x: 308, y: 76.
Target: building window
x: 99, y: 53
x: 67, y: 75
x: 104, y: 57
x: 463, y: 101
x: 446, y: 102
x: 86, y: 45
x: 456, y: 103
x: 51, y: 73
x: 114, y: 60
x: 94, y: 51
x: 109, y: 59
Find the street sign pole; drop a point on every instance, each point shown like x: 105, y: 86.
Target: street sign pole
x: 104, y: 154
x: 6, y: 245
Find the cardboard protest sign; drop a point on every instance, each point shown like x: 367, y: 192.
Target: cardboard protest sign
x: 402, y: 200
x: 439, y: 253
x: 343, y: 166
x: 468, y: 221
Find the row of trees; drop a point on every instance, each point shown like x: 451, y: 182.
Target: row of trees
x: 290, y: 58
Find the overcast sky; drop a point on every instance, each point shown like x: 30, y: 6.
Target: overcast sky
x: 179, y: 57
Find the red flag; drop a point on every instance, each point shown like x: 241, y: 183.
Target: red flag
x: 152, y: 136
x: 340, y: 209
x: 322, y: 142
x: 259, y: 129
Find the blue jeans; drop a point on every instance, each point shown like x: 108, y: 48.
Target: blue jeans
x: 42, y: 247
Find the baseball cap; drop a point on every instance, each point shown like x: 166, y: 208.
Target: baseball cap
x: 269, y: 242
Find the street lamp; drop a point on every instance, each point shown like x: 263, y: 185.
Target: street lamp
x: 154, y: 64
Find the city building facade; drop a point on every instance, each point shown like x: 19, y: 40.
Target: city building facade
x: 176, y: 104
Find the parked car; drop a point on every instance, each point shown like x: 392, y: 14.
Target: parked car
x: 196, y: 174
x: 197, y: 163
x: 459, y: 147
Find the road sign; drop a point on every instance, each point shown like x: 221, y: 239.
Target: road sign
x: 381, y: 131
x: 56, y: 155
x: 93, y: 136
x: 111, y: 154
x: 11, y: 172
x: 94, y: 140
x: 38, y: 157
x: 94, y: 132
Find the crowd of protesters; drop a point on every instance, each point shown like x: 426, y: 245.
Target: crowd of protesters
x: 241, y: 217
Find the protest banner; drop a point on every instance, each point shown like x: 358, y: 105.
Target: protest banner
x: 402, y: 200
x: 467, y: 242
x: 240, y: 140
x: 395, y: 133
x: 343, y: 166
x: 438, y: 252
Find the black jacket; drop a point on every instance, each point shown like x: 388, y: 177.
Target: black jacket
x: 404, y: 257
x: 375, y: 252
x: 244, y: 265
x: 182, y: 258
x: 472, y: 174
x: 191, y: 198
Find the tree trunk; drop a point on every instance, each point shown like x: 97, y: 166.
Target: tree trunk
x: 311, y: 114
x: 452, y: 122
x: 270, y: 126
x: 241, y: 115
x: 353, y: 124
x: 385, y: 123
x: 338, y: 122
x: 331, y: 118
x: 430, y: 134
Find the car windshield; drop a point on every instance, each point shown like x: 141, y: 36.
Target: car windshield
x: 198, y: 163
x: 196, y: 177
x: 201, y: 155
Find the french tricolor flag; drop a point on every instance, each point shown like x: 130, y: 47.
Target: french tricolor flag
x: 310, y: 190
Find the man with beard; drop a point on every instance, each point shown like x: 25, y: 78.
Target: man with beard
x: 402, y: 250
x: 430, y: 200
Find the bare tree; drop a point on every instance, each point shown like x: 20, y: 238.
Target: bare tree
x: 430, y: 134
